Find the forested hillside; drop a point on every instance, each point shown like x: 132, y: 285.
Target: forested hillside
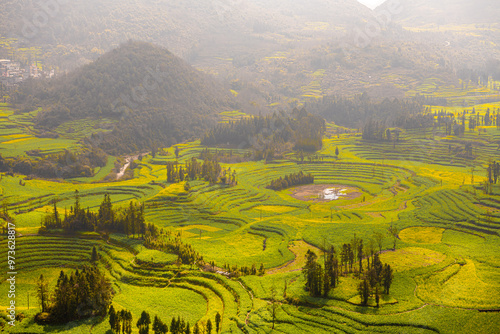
x: 204, y: 28
x: 155, y: 98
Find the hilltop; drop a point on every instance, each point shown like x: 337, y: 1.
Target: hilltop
x: 424, y: 12
x: 150, y: 94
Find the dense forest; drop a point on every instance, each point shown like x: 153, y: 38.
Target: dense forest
x: 265, y: 134
x: 157, y: 99
x: 79, y: 295
x: 354, y: 112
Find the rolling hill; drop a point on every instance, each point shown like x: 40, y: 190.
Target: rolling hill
x: 204, y: 28
x: 152, y: 95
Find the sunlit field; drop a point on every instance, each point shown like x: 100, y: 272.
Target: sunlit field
x: 445, y: 262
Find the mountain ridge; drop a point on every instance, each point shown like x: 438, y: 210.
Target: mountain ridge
x: 423, y: 12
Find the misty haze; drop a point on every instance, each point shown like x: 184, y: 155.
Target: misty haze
x: 238, y: 166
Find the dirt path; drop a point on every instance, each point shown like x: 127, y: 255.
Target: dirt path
x: 251, y: 297
x: 95, y: 324
x: 403, y: 206
x: 375, y: 215
x: 128, y: 160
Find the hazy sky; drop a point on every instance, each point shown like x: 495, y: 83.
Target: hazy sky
x: 371, y: 3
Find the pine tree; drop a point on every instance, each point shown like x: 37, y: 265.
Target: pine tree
x: 159, y: 327
x: 360, y: 256
x: 143, y: 323
x: 61, y: 297
x: 95, y: 256
x: 173, y: 325
x: 118, y: 322
x: 209, y: 326
x: 393, y: 232
x: 43, y: 293
x: 387, y: 278
x: 57, y: 220
x: 262, y: 270
x: 364, y: 292
x: 112, y: 317
x: 218, y: 320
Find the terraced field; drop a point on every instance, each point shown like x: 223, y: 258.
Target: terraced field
x: 446, y: 259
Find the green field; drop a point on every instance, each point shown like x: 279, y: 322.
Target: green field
x: 446, y: 260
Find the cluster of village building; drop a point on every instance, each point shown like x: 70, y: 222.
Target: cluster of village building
x: 12, y: 72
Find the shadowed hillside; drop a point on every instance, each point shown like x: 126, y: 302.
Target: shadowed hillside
x: 154, y: 96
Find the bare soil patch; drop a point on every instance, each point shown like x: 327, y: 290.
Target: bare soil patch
x: 310, y: 192
x: 375, y: 214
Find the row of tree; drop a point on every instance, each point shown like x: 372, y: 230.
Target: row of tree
x: 225, y: 156
x: 122, y: 321
x: 378, y: 131
x: 129, y: 220
x: 235, y: 271
x: 291, y: 180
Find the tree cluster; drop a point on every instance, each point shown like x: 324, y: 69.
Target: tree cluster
x: 291, y: 180
x: 321, y: 279
x: 493, y: 171
x: 80, y: 295
x: 120, y: 321
x: 353, y: 112
x: 376, y: 276
x: 264, y: 133
x: 210, y: 170
x: 63, y: 165
x: 129, y: 220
